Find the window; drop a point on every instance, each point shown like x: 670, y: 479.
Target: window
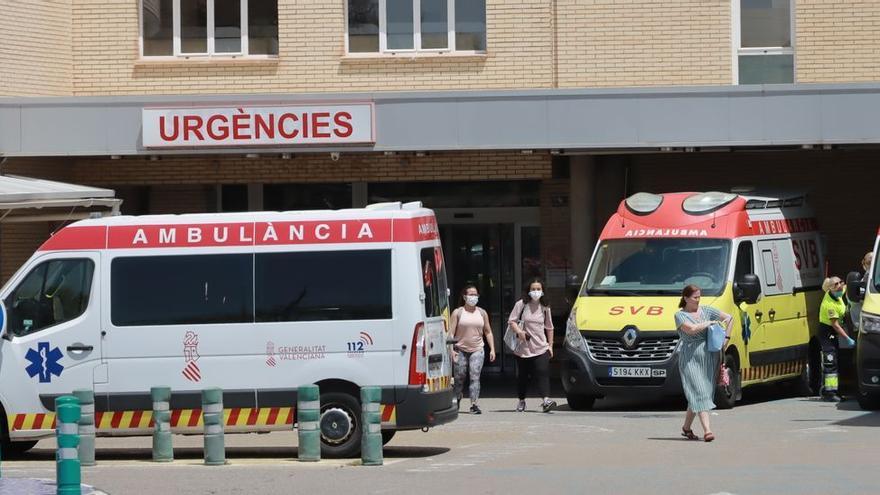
x: 180, y: 290
x: 765, y: 52
x: 53, y: 292
x: 434, y: 282
x: 209, y: 27
x: 654, y: 267
x: 745, y: 263
x: 321, y: 286
x: 388, y: 26
x: 769, y: 268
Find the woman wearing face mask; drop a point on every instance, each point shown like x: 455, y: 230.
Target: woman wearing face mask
x: 470, y: 324
x: 536, y: 344
x: 831, y: 313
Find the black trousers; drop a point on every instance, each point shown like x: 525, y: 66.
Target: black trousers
x: 828, y: 340
x: 536, y: 368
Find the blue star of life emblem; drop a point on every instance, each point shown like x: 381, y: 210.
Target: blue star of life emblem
x: 44, y: 362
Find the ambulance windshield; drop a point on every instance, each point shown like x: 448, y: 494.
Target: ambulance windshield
x: 877, y: 270
x: 658, y: 266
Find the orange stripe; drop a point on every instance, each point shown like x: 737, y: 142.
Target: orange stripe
x: 289, y: 419
x: 19, y: 422
x: 117, y: 418
x: 194, y: 417
x: 386, y: 412
x: 38, y: 421
x: 273, y: 413
x: 233, y: 416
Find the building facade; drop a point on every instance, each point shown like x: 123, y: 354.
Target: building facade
x: 523, y: 123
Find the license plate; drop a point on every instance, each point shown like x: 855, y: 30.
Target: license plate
x: 635, y: 372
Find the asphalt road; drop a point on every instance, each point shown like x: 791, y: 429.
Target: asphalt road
x: 772, y: 443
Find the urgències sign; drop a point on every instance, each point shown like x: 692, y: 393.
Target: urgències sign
x: 258, y: 126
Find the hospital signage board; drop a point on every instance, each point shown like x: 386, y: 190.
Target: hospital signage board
x: 299, y: 125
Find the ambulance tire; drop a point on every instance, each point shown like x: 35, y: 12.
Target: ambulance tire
x: 387, y: 435
x: 580, y: 402
x: 726, y: 397
x: 340, y: 425
x: 15, y: 449
x: 869, y: 402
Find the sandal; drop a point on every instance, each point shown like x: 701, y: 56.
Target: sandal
x: 689, y: 434
x: 708, y: 437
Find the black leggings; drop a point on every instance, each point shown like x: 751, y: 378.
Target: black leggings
x: 537, y: 367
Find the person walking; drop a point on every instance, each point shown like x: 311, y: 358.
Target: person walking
x: 831, y: 313
x: 698, y: 366
x: 531, y: 320
x: 470, y: 325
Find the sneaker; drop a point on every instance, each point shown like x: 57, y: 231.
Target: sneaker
x: 548, y: 405
x: 521, y: 406
x: 475, y: 409
x: 831, y: 398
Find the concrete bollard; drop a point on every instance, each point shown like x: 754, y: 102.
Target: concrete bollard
x: 308, y: 418
x: 86, y: 447
x: 163, y: 451
x: 212, y: 417
x: 371, y: 441
x: 67, y: 468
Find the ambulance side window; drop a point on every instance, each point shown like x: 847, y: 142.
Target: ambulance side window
x: 53, y: 292
x: 181, y: 290
x: 323, y: 285
x: 745, y: 260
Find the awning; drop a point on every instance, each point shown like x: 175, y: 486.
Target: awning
x: 57, y: 201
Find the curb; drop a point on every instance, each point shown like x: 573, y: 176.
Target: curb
x: 33, y: 486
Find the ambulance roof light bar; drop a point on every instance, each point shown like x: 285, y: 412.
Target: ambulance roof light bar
x: 643, y: 203
x: 706, y: 202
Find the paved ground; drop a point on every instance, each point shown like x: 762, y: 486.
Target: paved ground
x: 770, y: 444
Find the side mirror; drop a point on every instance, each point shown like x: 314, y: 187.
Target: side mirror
x: 855, y: 287
x: 747, y: 288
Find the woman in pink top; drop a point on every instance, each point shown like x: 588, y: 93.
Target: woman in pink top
x: 470, y: 324
x: 535, y: 346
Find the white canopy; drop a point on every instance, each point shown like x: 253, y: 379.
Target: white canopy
x: 21, y: 193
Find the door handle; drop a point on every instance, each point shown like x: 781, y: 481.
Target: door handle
x: 759, y: 314
x: 80, y: 348
x: 772, y: 313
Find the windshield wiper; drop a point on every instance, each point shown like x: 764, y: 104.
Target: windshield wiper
x: 614, y: 292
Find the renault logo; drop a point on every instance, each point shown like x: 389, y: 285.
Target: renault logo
x: 630, y: 336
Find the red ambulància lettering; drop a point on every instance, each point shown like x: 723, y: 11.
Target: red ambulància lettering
x: 241, y: 234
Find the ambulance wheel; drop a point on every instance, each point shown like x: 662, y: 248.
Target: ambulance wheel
x: 340, y: 425
x: 16, y: 448
x: 580, y: 402
x: 387, y: 435
x: 726, y: 397
x: 868, y: 402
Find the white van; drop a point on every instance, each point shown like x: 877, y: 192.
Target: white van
x: 255, y: 303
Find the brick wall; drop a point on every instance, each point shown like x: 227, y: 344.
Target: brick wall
x: 315, y: 167
x: 35, y: 50
x: 311, y: 55
x: 643, y: 42
x: 837, y: 41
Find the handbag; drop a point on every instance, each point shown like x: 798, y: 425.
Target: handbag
x: 715, y: 335
x: 510, y: 338
x: 724, y: 376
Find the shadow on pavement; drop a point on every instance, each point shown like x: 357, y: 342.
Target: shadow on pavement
x: 195, y: 453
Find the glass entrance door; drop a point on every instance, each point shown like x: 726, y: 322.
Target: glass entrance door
x: 496, y: 258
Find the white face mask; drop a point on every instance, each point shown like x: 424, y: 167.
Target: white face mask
x: 471, y: 300
x: 536, y: 294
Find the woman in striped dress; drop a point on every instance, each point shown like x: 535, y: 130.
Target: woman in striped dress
x: 697, y: 366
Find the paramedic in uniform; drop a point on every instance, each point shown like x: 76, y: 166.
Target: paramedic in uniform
x: 831, y: 314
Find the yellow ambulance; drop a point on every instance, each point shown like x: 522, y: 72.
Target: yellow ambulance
x: 756, y: 257
x: 867, y: 292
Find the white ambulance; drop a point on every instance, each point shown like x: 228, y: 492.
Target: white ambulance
x: 255, y: 303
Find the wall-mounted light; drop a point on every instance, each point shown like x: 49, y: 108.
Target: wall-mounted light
x: 555, y: 152
x: 154, y: 158
x: 252, y: 155
x: 421, y: 153
x: 389, y: 153
x: 285, y: 156
x: 115, y: 157
x: 526, y: 152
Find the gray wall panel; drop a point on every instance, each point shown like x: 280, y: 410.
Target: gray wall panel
x: 10, y: 129
x: 571, y: 119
